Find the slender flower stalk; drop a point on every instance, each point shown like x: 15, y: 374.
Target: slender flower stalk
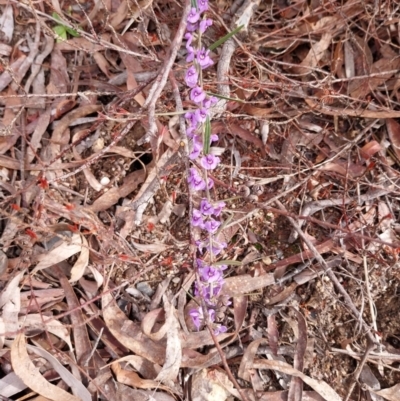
x: 207, y: 216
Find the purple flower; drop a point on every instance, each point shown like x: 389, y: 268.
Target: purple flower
x: 203, y: 5
x: 213, y: 138
x: 191, y: 117
x: 217, y: 247
x: 190, y: 56
x: 209, y: 162
x: 210, y: 102
x: 210, y: 183
x: 197, y: 219
x: 206, y: 207
x: 191, y: 77
x: 189, y: 38
x: 193, y: 16
x: 218, y: 208
x: 204, y: 24
x: 197, y: 317
x: 197, y: 94
x: 210, y: 274
x: 192, y: 27
x: 196, y: 149
x: 212, y: 225
x: 201, y: 115
x: 203, y: 58
x: 219, y: 329
x: 195, y: 181
x: 190, y: 131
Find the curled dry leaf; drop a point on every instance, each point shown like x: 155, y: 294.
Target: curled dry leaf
x: 82, y: 262
x: 173, y: 353
x: 393, y: 129
x: 319, y: 386
x: 133, y: 379
x: 34, y: 321
x: 29, y: 374
x: 391, y: 394
x: 60, y: 253
x: 369, y: 149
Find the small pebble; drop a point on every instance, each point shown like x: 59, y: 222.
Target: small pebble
x: 145, y: 288
x: 105, y: 181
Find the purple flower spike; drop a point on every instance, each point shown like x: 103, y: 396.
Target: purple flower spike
x: 191, y: 77
x: 209, y: 162
x: 197, y: 95
x: 193, y: 16
x: 203, y: 5
x: 212, y: 225
x: 206, y: 207
x: 209, y: 274
x: 201, y: 115
x: 203, y: 58
x: 197, y: 219
x: 205, y: 24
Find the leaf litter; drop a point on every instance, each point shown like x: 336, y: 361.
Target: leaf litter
x: 95, y: 217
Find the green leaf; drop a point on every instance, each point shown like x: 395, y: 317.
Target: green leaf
x: 207, y: 136
x: 61, y: 32
x: 228, y: 262
x: 71, y: 31
x: 225, y: 38
x: 226, y: 97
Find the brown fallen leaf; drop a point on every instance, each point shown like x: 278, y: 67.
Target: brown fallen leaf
x: 129, y: 333
x: 324, y: 389
x: 29, y: 374
x: 393, y: 129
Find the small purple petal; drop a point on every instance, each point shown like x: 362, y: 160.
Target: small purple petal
x: 197, y: 94
x: 193, y: 16
x: 210, y: 183
x: 209, y: 162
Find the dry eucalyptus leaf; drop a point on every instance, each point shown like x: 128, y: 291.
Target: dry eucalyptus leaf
x: 245, y: 284
x: 29, y: 374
